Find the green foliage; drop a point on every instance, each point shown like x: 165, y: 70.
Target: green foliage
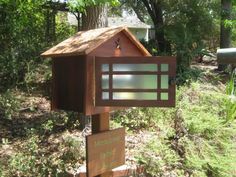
x: 186, y: 26
x: 22, y: 39
x: 131, y: 7
x: 189, y: 26
x: 23, y: 28
x: 138, y: 118
x: 150, y: 46
x: 63, y: 29
x: 214, y: 158
x: 74, y: 149
x: 187, y: 75
x: 57, y: 121
x: 1, y: 171
x: 9, y: 105
x: 192, y: 139
x: 48, y: 126
x: 230, y: 101
x: 80, y: 5
x: 33, y: 162
x: 38, y: 76
x: 159, y: 158
x: 234, y: 24
x: 32, y: 158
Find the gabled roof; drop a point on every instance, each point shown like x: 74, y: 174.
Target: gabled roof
x: 85, y: 42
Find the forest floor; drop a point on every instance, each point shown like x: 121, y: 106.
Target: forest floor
x: 38, y: 142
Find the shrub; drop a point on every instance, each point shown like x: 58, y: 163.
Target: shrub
x: 230, y: 101
x: 31, y: 161
x: 194, y: 139
x: 187, y: 75
x: 9, y: 105
x: 158, y: 157
x: 140, y: 118
x: 74, y: 149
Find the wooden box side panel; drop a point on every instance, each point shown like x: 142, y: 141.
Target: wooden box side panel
x: 89, y: 101
x: 68, y: 83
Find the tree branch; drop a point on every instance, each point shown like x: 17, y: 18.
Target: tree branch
x: 137, y: 13
x: 147, y: 5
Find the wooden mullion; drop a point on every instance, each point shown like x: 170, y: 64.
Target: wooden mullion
x: 136, y: 90
x: 110, y: 81
x: 136, y: 72
x: 139, y: 103
x: 159, y: 90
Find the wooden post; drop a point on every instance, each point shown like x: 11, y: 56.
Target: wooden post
x: 100, y: 123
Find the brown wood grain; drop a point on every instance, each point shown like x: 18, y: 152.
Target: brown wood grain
x: 105, y: 151
x: 74, y: 76
x: 85, y: 42
x: 107, y: 49
x: 68, y: 83
x: 127, y: 47
x: 100, y: 122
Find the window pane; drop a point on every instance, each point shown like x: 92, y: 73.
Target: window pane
x: 134, y: 96
x: 164, y: 81
x: 105, y: 67
x: 134, y: 67
x: 164, y: 67
x: 134, y: 81
x: 105, y: 95
x: 164, y: 96
x: 105, y: 81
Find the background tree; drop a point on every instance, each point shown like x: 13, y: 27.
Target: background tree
x: 22, y: 36
x: 131, y: 7
x: 188, y: 26
x: 180, y: 26
x: 92, y: 13
x: 234, y: 24
x: 225, y: 28
x: 155, y: 10
x: 25, y: 32
x: 95, y: 16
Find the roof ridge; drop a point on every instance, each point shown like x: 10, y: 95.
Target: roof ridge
x: 84, y: 42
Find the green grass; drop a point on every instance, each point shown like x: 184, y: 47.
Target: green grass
x: 195, y: 138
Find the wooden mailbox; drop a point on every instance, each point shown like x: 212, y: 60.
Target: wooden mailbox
x: 73, y: 66
x: 100, y: 70
x: 77, y: 73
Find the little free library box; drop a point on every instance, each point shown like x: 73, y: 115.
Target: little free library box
x: 101, y: 70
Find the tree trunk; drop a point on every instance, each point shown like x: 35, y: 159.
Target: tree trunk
x: 78, y: 21
x: 159, y: 27
x: 95, y: 17
x: 137, y: 12
x: 155, y: 11
x: 225, y: 31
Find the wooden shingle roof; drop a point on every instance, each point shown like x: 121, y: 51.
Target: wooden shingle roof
x: 85, y: 42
